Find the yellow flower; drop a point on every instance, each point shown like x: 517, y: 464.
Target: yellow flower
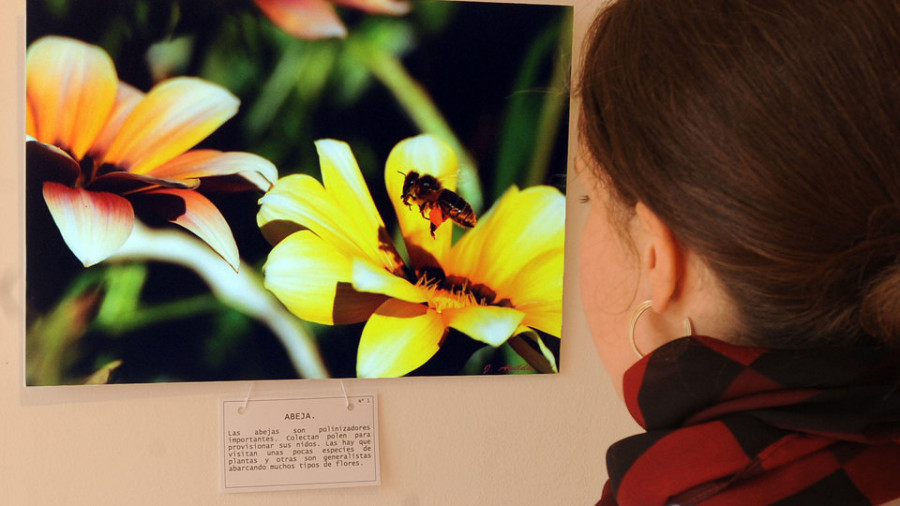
x: 101, y: 150
x: 316, y: 19
x: 335, y: 263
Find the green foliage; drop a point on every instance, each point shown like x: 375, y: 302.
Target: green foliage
x: 534, y: 113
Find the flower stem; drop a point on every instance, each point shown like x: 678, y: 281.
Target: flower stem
x: 123, y: 322
x: 553, y: 107
x: 415, y: 100
x: 242, y: 290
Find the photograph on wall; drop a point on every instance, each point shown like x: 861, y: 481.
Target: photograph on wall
x: 226, y: 190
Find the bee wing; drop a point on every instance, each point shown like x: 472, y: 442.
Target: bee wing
x: 449, y: 181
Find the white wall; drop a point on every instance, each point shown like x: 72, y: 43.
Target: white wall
x: 461, y: 440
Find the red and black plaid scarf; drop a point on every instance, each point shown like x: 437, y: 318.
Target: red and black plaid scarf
x: 734, y: 425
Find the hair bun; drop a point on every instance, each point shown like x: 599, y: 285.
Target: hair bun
x: 880, y: 308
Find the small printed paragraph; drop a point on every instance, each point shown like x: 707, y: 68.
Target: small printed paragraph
x: 282, y: 444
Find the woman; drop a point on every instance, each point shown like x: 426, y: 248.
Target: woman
x: 744, y: 164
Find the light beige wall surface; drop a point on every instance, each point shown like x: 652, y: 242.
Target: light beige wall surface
x: 460, y: 440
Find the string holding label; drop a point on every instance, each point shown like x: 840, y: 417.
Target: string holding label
x: 346, y: 399
x: 246, y: 400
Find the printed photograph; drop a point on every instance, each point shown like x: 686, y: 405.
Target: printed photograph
x: 227, y: 190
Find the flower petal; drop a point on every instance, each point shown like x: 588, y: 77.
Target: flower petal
x: 489, y: 324
x: 397, y: 339
x: 127, y: 98
x: 300, y: 201
x: 201, y: 217
x: 394, y: 7
x: 295, y: 202
x: 521, y: 226
x: 341, y: 212
x: 174, y: 116
x: 305, y: 19
x: 30, y: 127
x: 71, y: 87
x: 425, y: 154
x: 344, y: 181
x: 125, y: 182
x: 312, y: 279
x: 371, y: 278
x: 49, y: 163
x: 93, y: 224
x: 199, y: 163
x: 544, y: 316
x: 537, y: 291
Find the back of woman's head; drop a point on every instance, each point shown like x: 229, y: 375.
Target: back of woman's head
x: 766, y: 135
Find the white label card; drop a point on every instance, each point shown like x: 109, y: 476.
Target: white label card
x: 282, y: 444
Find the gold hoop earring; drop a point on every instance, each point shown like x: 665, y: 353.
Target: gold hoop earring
x: 642, y: 307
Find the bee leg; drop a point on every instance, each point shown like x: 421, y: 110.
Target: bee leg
x: 436, y: 217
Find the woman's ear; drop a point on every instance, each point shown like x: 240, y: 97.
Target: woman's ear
x: 662, y: 260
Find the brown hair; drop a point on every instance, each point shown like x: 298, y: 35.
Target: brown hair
x: 766, y: 135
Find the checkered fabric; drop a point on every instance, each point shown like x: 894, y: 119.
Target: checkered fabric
x: 731, y: 425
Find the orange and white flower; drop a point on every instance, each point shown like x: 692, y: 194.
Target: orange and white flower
x: 335, y: 263
x: 101, y: 150
x: 317, y: 19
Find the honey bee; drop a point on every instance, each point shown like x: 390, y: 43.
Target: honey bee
x: 440, y: 203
